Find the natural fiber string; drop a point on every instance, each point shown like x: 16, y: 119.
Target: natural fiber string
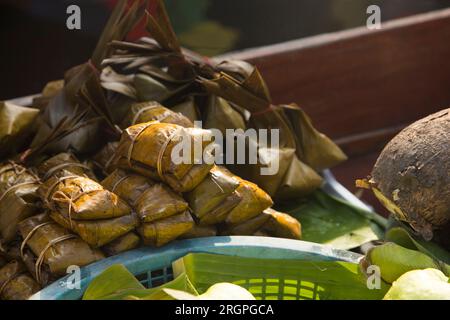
x: 130, y: 150
x: 30, y: 234
x: 53, y: 186
x: 138, y: 114
x: 51, y: 171
x: 40, y: 259
x: 161, y: 154
x: 113, y: 189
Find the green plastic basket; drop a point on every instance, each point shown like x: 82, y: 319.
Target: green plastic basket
x: 153, y: 267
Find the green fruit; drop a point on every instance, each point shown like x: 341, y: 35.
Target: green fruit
x: 428, y: 284
x: 219, y: 291
x: 394, y: 260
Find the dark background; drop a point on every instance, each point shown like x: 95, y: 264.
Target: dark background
x: 37, y: 47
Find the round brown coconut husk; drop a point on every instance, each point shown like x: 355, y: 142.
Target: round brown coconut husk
x: 413, y: 174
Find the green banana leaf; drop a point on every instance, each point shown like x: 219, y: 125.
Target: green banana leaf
x: 402, y: 237
x: 268, y: 279
x: 329, y: 220
x: 117, y: 283
x: 272, y: 279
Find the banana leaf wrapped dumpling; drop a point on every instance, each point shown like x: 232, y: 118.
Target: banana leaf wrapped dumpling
x: 48, y: 249
x: 16, y: 283
x: 269, y: 223
x: 163, y: 231
x: 151, y: 200
x: 224, y: 197
x: 215, y: 196
x: 18, y: 198
x: 62, y: 164
x: 162, y: 213
x: 82, y: 205
x: 104, y: 158
x: 153, y: 111
x: 124, y: 243
x: 147, y: 148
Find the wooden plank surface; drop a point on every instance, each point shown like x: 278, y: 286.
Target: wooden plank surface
x: 362, y: 86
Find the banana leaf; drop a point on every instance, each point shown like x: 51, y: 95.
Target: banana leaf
x: 56, y: 257
x: 74, y: 118
x: 268, y: 279
x: 200, y: 231
x: 254, y: 201
x: 22, y: 202
x: 212, y: 191
x: 16, y: 283
x: 328, y: 220
x: 81, y: 198
x: 103, y: 159
x: 124, y: 243
x: 153, y: 111
x: 188, y: 108
x: 19, y: 198
x: 403, y: 236
x: 151, y: 201
x: 16, y: 126
x: 66, y: 162
x: 273, y: 279
x: 145, y: 147
x: 126, y: 286
x: 163, y: 231
x: 50, y: 90
x: 98, y: 232
x: 221, y: 115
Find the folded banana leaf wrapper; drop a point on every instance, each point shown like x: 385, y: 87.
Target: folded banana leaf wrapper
x: 16, y: 127
x: 64, y: 163
x: 126, y: 83
x: 48, y: 249
x: 148, y: 148
x: 123, y: 243
x: 82, y: 205
x: 163, y: 213
x: 16, y: 283
x: 18, y: 198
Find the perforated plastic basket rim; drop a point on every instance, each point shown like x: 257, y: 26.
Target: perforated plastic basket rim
x: 146, y: 259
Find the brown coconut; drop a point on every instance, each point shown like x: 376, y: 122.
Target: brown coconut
x: 412, y: 175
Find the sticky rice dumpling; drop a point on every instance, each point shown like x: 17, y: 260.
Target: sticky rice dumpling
x: 163, y: 231
x: 269, y: 223
x: 215, y: 196
x: 81, y: 198
x: 147, y: 148
x: 254, y: 201
x: 199, y: 231
x: 281, y: 225
x: 246, y: 228
x: 104, y: 158
x: 212, y: 191
x: 151, y: 200
x: 98, y: 232
x: 16, y: 283
x: 63, y: 163
x: 18, y: 198
x: 82, y: 205
x: 124, y: 243
x: 16, y: 125
x: 151, y: 111
x: 12, y: 174
x: 48, y: 248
